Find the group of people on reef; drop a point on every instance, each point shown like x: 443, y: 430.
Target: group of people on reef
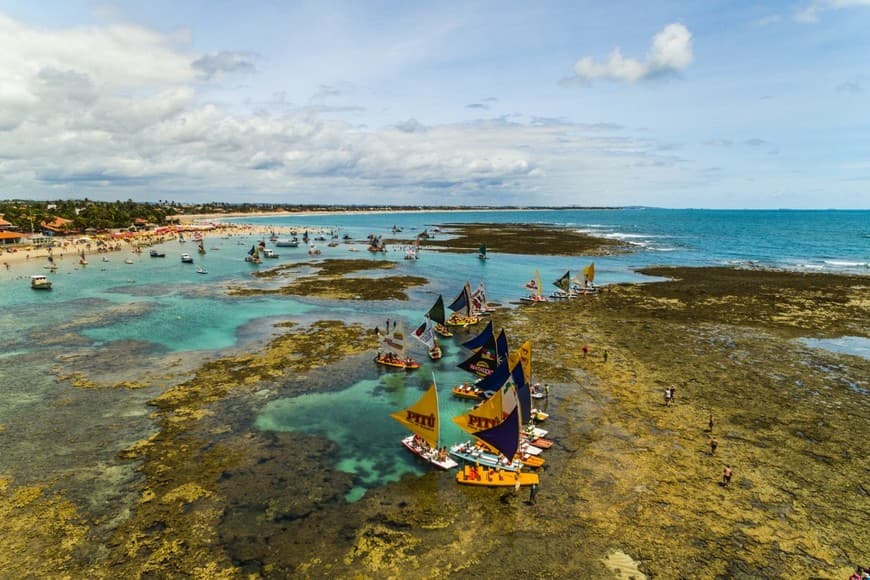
x: 669, y: 396
x: 861, y: 573
x: 537, y: 389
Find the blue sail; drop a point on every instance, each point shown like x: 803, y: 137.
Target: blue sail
x: 501, y: 347
x: 461, y: 303
x: 524, y: 393
x: 505, y: 436
x: 481, y: 339
x: 484, y: 361
x: 496, y: 380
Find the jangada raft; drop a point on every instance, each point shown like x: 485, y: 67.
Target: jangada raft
x: 391, y: 351
x: 436, y: 314
x: 535, y: 288
x: 461, y: 306
x: 422, y: 418
x: 504, y: 436
x: 425, y: 333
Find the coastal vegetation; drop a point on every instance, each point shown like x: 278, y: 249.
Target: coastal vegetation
x: 27, y: 215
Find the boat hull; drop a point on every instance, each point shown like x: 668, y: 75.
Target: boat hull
x: 408, y: 366
x: 474, y: 455
x: 442, y: 330
x: 429, y: 456
x: 495, y: 478
x: 456, y: 320
x: 471, y: 393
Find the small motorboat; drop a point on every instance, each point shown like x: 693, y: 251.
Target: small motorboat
x: 156, y: 254
x: 186, y: 259
x: 40, y: 282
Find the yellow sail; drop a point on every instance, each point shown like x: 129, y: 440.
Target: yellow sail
x: 522, y: 355
x: 487, y: 415
x: 589, y: 272
x: 422, y: 417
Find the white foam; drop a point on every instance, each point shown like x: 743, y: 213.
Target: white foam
x: 846, y: 264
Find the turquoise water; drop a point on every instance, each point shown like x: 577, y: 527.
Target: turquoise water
x: 357, y: 420
x: 165, y: 308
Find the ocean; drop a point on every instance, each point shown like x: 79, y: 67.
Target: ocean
x: 112, y: 322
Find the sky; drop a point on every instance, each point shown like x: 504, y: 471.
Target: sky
x: 713, y: 104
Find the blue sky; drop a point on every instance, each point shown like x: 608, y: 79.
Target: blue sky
x: 670, y: 104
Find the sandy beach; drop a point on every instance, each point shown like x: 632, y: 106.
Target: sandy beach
x: 68, y: 249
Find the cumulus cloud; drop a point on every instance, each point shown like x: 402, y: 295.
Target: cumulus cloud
x: 117, y: 111
x: 217, y: 64
x: 813, y: 11
x: 671, y: 52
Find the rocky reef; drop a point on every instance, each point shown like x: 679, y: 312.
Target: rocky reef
x: 527, y: 239
x: 631, y: 484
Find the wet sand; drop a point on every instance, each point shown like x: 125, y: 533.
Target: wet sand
x: 629, y: 483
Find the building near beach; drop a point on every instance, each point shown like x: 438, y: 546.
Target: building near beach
x: 58, y: 226
x: 7, y: 237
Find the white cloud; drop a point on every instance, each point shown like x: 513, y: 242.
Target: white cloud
x: 671, y: 52
x: 117, y: 112
x: 812, y: 11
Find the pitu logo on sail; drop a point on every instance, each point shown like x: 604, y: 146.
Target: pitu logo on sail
x: 420, y: 419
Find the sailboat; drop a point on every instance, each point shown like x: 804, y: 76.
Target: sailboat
x: 412, y: 252
x: 376, y: 244
x: 534, y: 287
x: 485, y: 359
x: 436, y: 315
x: 391, y: 351
x: 563, y: 287
x: 461, y: 307
x: 253, y: 256
x: 589, y: 279
x: 425, y: 333
x: 479, y: 306
x: 490, y: 425
x: 520, y: 361
x: 422, y: 418
x: 481, y: 252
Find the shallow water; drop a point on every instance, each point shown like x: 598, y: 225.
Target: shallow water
x: 854, y: 345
